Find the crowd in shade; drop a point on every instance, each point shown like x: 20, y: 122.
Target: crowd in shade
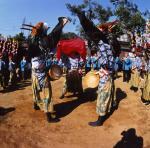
x: 8, y: 47
x: 15, y: 68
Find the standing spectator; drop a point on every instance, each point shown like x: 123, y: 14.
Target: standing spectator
x: 60, y: 63
x: 48, y: 63
x: 55, y: 61
x: 12, y: 71
x: 135, y: 75
x: 23, y: 66
x: 88, y: 64
x: 146, y: 89
x: 2, y: 72
x: 126, y: 68
x: 94, y: 61
x: 98, y: 61
x: 81, y: 65
x: 116, y: 66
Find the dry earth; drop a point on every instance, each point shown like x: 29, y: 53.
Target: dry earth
x: 22, y: 127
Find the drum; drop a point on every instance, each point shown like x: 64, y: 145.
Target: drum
x: 55, y: 72
x: 91, y: 79
x: 74, y: 81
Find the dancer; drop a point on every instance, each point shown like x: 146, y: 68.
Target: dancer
x: 108, y: 50
x: 39, y: 47
x: 73, y: 81
x: 146, y: 88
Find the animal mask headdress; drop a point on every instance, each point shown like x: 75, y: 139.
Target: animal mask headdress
x: 39, y: 29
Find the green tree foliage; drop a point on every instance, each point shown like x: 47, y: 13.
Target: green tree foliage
x: 101, y: 13
x: 147, y: 14
x: 93, y: 10
x: 129, y: 15
x: 20, y: 37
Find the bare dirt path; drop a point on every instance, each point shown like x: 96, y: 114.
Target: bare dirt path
x: 22, y: 127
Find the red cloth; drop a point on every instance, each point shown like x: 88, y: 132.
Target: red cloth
x: 71, y: 47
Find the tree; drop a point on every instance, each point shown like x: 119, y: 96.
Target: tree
x: 147, y: 14
x: 93, y: 10
x: 129, y: 15
x: 19, y: 37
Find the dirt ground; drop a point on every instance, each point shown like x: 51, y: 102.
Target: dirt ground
x: 22, y: 127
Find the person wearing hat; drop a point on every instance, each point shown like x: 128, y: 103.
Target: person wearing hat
x: 39, y: 47
x: 2, y: 71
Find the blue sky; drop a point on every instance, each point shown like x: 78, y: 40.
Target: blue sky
x: 12, y: 12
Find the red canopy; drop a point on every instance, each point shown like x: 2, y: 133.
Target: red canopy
x: 71, y: 47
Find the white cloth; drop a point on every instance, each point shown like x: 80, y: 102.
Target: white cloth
x: 74, y: 63
x: 38, y: 69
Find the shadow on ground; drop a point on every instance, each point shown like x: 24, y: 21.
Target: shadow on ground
x: 89, y: 95
x: 67, y: 107
x: 18, y: 86
x: 129, y: 140
x: 4, y: 111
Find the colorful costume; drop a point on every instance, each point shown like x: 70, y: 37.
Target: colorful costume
x: 39, y: 48
x: 106, y: 97
x: 108, y: 46
x: 73, y: 81
x: 135, y: 74
x: 42, y: 93
x: 146, y: 88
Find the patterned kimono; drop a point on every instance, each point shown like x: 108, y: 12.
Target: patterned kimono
x: 41, y: 87
x: 42, y: 92
x: 135, y: 75
x: 106, y: 97
x: 146, y: 88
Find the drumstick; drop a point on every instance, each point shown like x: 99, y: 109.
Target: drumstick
x: 28, y: 25
x: 26, y: 28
